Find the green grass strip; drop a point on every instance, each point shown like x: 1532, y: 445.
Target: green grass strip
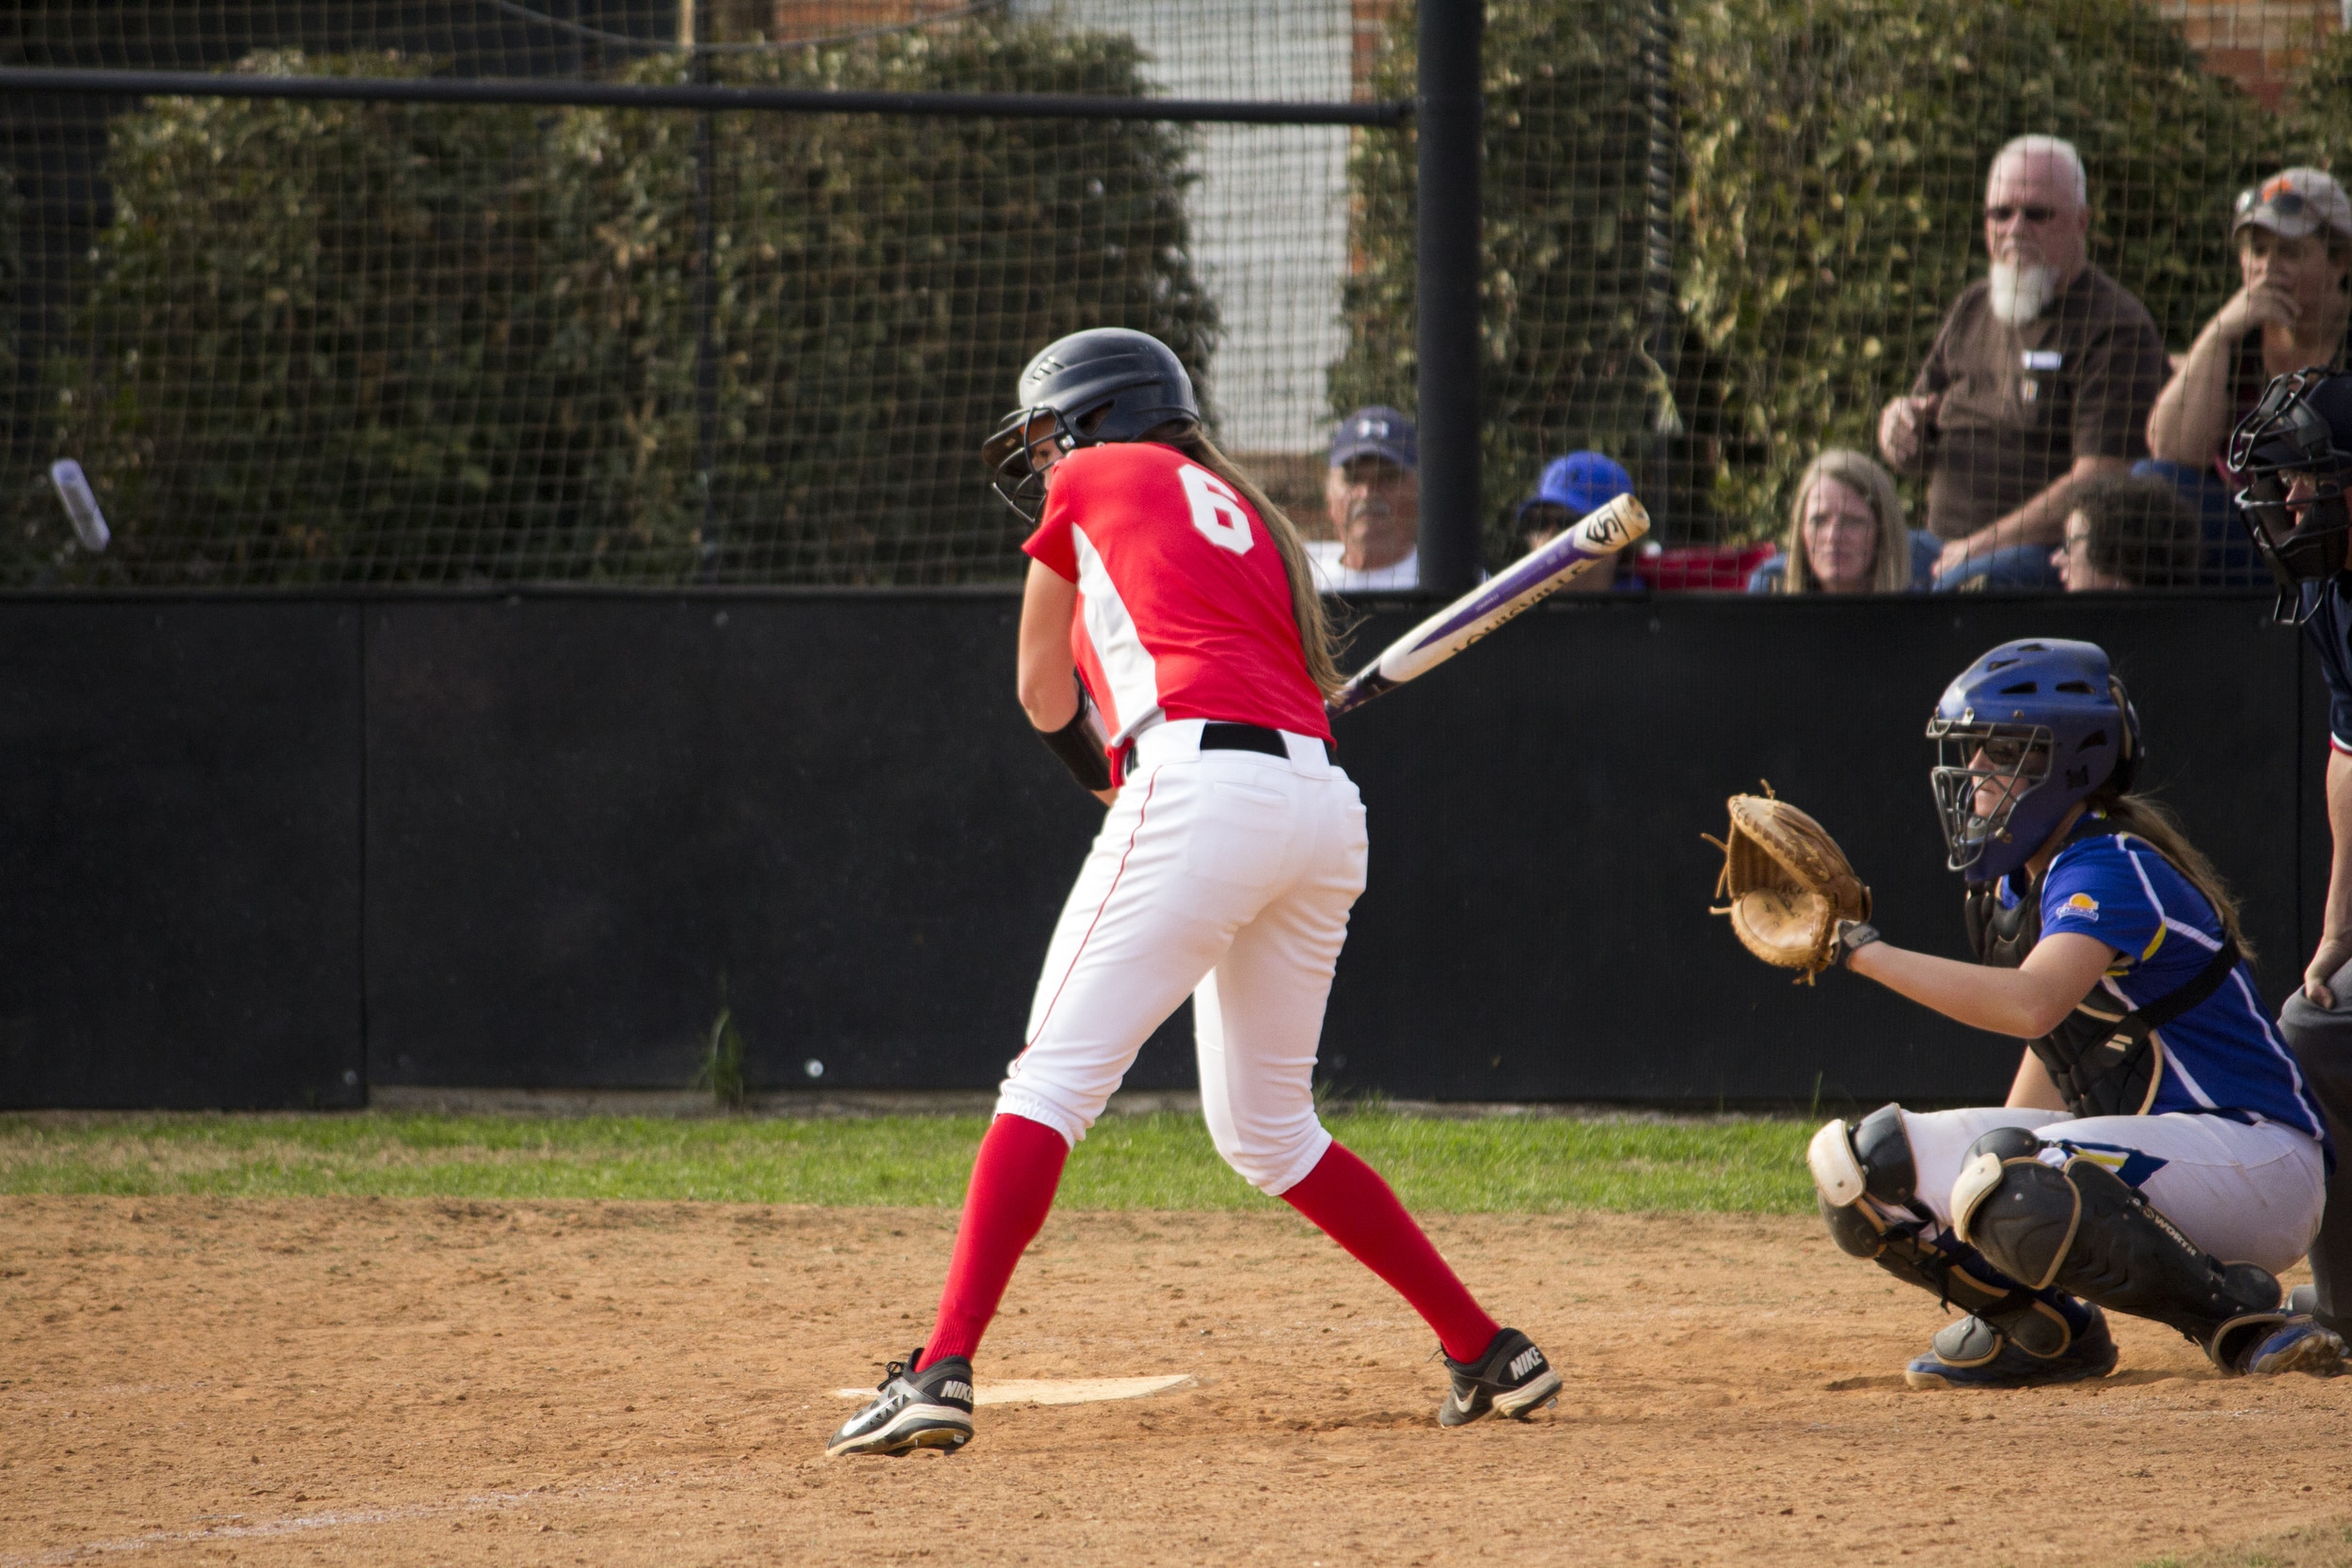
x: 2314, y: 1546
x: 1500, y: 1164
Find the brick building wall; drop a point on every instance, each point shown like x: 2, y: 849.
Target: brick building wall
x: 2259, y: 43
x: 734, y: 21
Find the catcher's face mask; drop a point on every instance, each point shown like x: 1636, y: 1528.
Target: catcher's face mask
x: 2293, y: 505
x: 1983, y: 772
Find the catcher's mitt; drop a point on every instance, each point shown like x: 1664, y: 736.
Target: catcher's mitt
x: 1788, y: 884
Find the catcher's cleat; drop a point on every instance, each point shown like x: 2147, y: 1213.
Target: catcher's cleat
x: 1972, y: 1354
x: 1512, y: 1379
x: 930, y: 1409
x: 2298, y: 1344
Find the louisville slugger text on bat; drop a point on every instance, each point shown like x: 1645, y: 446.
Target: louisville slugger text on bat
x: 1542, y: 571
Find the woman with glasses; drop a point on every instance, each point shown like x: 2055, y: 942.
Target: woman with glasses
x: 2293, y: 234
x: 2159, y: 1155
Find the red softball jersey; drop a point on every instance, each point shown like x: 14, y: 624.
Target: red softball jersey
x: 1183, y: 608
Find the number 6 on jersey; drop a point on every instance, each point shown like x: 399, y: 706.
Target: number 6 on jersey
x: 1216, y: 511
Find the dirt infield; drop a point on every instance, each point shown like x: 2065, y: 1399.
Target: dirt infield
x: 415, y: 1382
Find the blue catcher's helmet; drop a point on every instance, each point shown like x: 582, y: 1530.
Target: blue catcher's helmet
x: 2026, y: 732
x: 1106, y: 384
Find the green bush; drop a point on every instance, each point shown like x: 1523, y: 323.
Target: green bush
x: 1827, y: 212
x: 17, y: 409
x: 11, y: 272
x: 369, y: 343
x: 295, y: 338
x: 1560, y: 253
x: 880, y: 284
x: 2319, y: 115
x: 1837, y: 155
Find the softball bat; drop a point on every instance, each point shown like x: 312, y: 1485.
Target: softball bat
x: 81, y: 503
x: 1543, y: 570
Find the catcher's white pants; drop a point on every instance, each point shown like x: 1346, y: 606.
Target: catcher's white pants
x: 2246, y: 1194
x: 1228, y: 876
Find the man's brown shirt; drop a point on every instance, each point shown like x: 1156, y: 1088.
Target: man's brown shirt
x: 2021, y: 403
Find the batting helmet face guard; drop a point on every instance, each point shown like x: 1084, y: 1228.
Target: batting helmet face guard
x: 2295, y: 451
x: 2024, y: 734
x: 1107, y: 383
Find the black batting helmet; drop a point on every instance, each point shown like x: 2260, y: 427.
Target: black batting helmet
x: 1106, y: 384
x: 2302, y: 427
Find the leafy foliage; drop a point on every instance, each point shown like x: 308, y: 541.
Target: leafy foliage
x: 300, y: 334
x: 1837, y: 153
x: 16, y: 414
x: 1827, y: 212
x: 368, y: 342
x: 880, y: 284
x: 1562, y: 321
x: 2320, y: 113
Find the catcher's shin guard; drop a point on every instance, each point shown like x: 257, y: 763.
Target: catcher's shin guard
x: 1872, y: 1156
x: 1864, y: 1178
x: 2081, y: 1229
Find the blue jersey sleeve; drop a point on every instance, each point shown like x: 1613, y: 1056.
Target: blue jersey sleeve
x: 2092, y: 890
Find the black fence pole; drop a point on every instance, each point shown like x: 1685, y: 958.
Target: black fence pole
x: 1450, y: 115
x: 1663, y: 497
x: 706, y: 308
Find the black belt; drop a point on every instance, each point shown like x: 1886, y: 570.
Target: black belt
x: 1218, y: 735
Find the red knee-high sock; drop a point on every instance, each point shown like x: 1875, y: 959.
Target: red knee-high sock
x: 1013, y: 1180
x: 1347, y: 1199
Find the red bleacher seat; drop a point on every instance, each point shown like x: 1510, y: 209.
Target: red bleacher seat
x: 1698, y: 568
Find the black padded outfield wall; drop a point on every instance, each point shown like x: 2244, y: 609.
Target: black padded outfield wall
x: 180, y: 852
x: 266, y: 852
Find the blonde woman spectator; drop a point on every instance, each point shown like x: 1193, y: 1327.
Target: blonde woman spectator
x: 1847, y: 534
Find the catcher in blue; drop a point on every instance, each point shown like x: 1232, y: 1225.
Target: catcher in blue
x: 2160, y: 1153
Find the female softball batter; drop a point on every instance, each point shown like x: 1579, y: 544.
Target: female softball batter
x: 2159, y: 1153
x: 1232, y: 850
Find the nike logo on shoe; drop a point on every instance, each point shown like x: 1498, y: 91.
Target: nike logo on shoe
x: 1526, y: 1362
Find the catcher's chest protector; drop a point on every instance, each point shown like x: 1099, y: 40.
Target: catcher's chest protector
x: 2103, y: 1056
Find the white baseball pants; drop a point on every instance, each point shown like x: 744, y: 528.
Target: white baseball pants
x: 1225, y: 875
x: 2246, y: 1194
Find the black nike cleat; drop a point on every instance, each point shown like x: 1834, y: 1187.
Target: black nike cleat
x: 930, y: 1409
x: 1512, y: 1379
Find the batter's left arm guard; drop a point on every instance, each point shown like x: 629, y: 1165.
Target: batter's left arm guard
x: 1079, y: 744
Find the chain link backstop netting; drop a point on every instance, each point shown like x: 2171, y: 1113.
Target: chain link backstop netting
x: 317, y: 341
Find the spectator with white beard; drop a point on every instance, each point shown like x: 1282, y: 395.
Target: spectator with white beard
x: 2041, y: 379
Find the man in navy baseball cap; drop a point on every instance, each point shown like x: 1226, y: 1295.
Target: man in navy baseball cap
x: 1572, y: 486
x: 1372, y: 494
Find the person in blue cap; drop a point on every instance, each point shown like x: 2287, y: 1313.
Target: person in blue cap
x: 1572, y: 488
x: 1372, y: 494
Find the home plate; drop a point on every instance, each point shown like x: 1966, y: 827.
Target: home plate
x: 1055, y: 1390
